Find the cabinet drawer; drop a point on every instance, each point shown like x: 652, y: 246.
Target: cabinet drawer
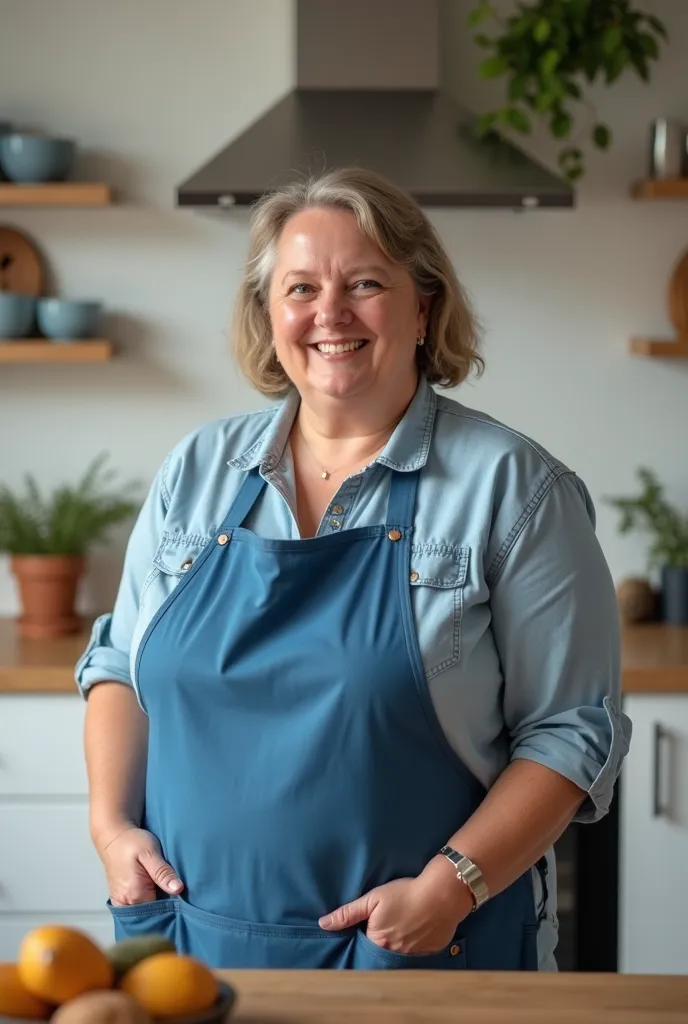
x: 47, y: 861
x: 653, y: 905
x: 41, y: 745
x: 13, y: 928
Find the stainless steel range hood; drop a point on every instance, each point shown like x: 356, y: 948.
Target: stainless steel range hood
x: 368, y: 93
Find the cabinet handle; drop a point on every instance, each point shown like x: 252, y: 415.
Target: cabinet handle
x: 662, y: 737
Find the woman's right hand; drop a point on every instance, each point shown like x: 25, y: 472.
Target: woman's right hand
x: 134, y: 866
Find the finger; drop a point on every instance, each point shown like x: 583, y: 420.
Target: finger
x: 160, y: 871
x: 349, y: 914
x: 136, y: 890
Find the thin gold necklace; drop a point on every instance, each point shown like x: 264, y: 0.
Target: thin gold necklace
x: 327, y: 473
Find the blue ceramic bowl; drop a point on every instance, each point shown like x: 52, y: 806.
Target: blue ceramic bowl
x: 30, y: 159
x: 67, y: 319
x: 17, y: 314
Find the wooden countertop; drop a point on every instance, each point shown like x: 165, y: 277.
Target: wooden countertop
x: 38, y: 666
x: 654, y: 659
x: 459, y: 997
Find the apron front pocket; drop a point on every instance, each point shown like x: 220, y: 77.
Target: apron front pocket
x: 224, y: 942
x: 136, y: 920
x: 368, y: 956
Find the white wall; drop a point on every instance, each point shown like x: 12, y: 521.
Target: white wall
x: 152, y: 88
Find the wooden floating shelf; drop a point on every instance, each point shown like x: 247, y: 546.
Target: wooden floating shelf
x: 657, y: 349
x: 56, y: 193
x: 37, y: 350
x: 660, y: 188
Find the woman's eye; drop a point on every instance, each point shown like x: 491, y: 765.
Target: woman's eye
x: 300, y: 289
x: 368, y: 284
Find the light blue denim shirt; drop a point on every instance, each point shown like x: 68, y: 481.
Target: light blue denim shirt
x: 513, y: 601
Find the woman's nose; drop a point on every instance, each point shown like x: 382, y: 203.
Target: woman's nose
x: 333, y: 309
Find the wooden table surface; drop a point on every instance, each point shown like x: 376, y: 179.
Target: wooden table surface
x: 462, y: 997
x: 654, y: 660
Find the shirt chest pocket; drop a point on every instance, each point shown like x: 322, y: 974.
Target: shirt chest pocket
x: 175, y: 556
x: 438, y: 580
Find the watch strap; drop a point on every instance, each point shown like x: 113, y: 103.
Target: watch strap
x: 470, y: 874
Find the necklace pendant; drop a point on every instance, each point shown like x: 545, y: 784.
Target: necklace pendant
x: 325, y: 475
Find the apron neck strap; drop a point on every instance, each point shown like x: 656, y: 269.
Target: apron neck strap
x: 402, y: 498
x: 248, y: 494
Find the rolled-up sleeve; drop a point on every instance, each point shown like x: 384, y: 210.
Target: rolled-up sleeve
x: 556, y: 627
x: 107, y: 656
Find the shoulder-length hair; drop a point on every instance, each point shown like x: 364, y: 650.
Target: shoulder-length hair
x: 391, y: 219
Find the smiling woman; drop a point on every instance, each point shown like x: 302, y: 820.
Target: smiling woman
x: 363, y: 666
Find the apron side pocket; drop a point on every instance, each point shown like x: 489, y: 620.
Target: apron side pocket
x: 144, y: 920
x: 368, y: 956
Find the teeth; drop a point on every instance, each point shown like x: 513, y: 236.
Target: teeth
x: 335, y: 350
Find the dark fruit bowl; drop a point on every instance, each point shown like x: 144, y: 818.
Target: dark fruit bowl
x: 217, y: 1014
x: 220, y: 1013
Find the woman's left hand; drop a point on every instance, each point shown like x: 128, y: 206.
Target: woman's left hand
x: 409, y: 915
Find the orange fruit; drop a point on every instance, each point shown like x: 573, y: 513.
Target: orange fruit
x: 170, y: 985
x: 58, y: 963
x: 15, y: 998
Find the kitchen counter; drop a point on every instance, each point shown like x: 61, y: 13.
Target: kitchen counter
x: 460, y: 997
x: 38, y: 666
x: 654, y: 660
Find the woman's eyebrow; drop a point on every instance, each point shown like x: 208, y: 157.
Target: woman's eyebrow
x: 374, y: 268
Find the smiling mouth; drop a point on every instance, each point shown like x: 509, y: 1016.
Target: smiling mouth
x: 332, y: 348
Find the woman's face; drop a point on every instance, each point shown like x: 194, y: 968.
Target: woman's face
x: 345, y: 320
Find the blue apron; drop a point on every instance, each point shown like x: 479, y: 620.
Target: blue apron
x: 295, y: 759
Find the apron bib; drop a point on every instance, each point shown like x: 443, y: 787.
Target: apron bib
x: 295, y: 759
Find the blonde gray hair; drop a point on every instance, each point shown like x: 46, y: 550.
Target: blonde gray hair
x: 395, y: 223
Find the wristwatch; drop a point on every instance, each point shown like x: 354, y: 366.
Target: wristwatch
x: 470, y: 874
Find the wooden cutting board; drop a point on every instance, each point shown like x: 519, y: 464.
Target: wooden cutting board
x: 678, y: 297
x: 21, y: 264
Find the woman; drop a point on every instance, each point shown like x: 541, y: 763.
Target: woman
x: 362, y: 668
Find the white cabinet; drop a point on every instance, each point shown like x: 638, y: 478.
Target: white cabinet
x: 48, y: 862
x: 41, y: 745
x: 653, y: 933
x: 49, y: 871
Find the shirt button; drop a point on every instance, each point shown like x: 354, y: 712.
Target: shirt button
x: 187, y: 564
x: 222, y: 539
x: 335, y: 524
x: 455, y: 950
x: 394, y: 535
x: 338, y: 509
x: 414, y: 577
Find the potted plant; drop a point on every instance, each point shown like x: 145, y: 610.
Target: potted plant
x: 550, y: 50
x: 669, y: 547
x: 47, y: 539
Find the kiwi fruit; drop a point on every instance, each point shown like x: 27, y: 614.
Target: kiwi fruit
x: 126, y: 953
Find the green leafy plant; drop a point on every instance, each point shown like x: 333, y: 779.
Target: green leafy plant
x: 651, y: 511
x: 70, y: 520
x: 549, y: 50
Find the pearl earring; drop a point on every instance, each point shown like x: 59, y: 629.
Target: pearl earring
x: 420, y: 340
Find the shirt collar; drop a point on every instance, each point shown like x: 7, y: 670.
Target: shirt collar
x: 406, y: 450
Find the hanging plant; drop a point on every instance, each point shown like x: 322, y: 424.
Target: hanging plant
x: 549, y: 50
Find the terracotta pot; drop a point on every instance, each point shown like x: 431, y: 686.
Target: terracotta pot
x: 47, y: 589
